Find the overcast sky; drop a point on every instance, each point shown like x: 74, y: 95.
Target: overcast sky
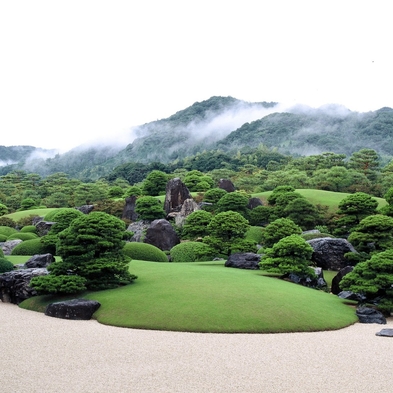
x: 78, y: 70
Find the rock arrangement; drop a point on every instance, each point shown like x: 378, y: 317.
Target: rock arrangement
x: 129, y: 209
x: 226, y: 185
x: 175, y: 194
x: 161, y: 234
x: 8, y: 246
x: 370, y: 315
x: 15, y: 285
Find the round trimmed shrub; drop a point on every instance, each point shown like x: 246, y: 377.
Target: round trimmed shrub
x: 5, y: 265
x: 51, y: 215
x: 29, y: 229
x: 30, y: 247
x: 191, y: 252
x: 3, y: 238
x: 22, y: 236
x: 254, y: 234
x: 1, y: 253
x: 7, y: 231
x: 144, y: 252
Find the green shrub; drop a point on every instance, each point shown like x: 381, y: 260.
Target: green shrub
x: 58, y: 284
x: 5, y: 265
x: 51, y: 215
x: 254, y: 234
x: 27, y: 220
x: 1, y: 253
x: 7, y: 222
x: 191, y: 252
x: 7, y: 231
x: 22, y: 236
x: 30, y: 247
x: 144, y: 252
x: 29, y: 229
x: 3, y: 238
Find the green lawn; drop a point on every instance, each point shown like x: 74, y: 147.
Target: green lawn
x: 327, y: 198
x: 25, y: 213
x: 208, y: 297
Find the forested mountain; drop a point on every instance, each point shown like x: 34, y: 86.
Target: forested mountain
x: 219, y: 126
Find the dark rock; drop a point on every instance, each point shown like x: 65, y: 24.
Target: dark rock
x: 85, y: 209
x: 226, y: 185
x: 246, y: 260
x: 15, y: 285
x: 329, y: 253
x: 348, y: 295
x: 39, y: 260
x: 254, y: 202
x: 175, y: 195
x: 313, y: 282
x: 8, y: 246
x: 335, y: 289
x: 43, y: 227
x: 76, y: 309
x: 370, y: 315
x: 162, y: 235
x: 129, y: 209
x: 385, y: 333
x: 139, y: 229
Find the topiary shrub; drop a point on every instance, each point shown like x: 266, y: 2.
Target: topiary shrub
x: 7, y: 231
x: 30, y: 247
x: 144, y: 252
x: 22, y: 236
x: 5, y: 265
x: 3, y: 238
x: 60, y: 285
x: 51, y: 215
x: 191, y: 252
x: 29, y: 229
x: 254, y: 234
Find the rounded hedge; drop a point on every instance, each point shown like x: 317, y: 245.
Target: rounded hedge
x: 22, y: 236
x: 3, y: 238
x: 1, y: 253
x: 144, y: 252
x: 191, y: 252
x: 51, y: 216
x: 5, y: 265
x: 7, y: 231
x: 30, y: 247
x: 29, y: 229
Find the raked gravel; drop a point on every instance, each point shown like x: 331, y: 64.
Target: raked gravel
x: 46, y: 355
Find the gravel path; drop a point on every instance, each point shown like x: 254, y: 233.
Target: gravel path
x: 46, y: 355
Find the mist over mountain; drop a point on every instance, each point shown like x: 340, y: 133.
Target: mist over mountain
x: 219, y: 123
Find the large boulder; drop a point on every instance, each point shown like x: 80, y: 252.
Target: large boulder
x: 85, y: 209
x: 189, y: 206
x: 39, y: 260
x: 247, y: 260
x: 138, y: 229
x: 15, y: 285
x: 226, y: 185
x: 162, y: 235
x: 370, y: 315
x: 76, y: 309
x: 335, y: 289
x: 175, y: 194
x: 129, y: 209
x: 8, y: 246
x: 329, y: 252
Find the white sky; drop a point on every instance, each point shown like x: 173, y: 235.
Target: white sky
x: 77, y: 70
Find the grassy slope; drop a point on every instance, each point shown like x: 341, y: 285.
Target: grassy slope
x: 25, y: 213
x: 327, y: 198
x: 207, y: 297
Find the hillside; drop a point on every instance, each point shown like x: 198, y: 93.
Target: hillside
x: 222, y: 125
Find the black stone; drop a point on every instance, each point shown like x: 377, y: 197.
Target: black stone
x: 335, y: 289
x: 39, y: 260
x: 370, y: 315
x: 76, y: 309
x: 385, y: 333
x: 162, y: 235
x: 246, y: 260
